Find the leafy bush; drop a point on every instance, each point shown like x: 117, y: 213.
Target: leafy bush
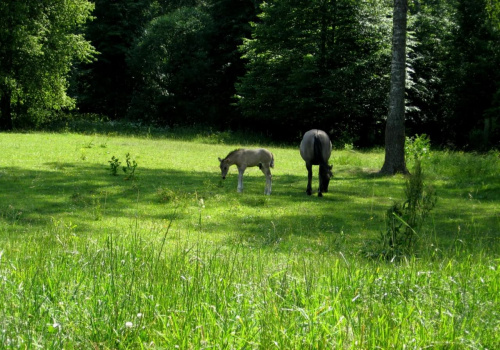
x: 130, y: 168
x: 417, y: 147
x: 114, y: 164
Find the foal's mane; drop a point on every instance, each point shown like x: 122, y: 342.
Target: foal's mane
x: 232, y: 153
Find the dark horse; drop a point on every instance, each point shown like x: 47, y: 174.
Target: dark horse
x: 316, y: 149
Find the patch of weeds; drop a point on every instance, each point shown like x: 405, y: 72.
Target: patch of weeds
x: 129, y: 169
x: 404, y: 220
x: 332, y: 242
x: 114, y: 164
x: 96, y: 208
x: 272, y: 237
x: 166, y: 195
x: 348, y: 147
x: 214, y: 137
x: 417, y: 148
x: 91, y: 200
x: 11, y: 214
x: 78, y: 199
x: 89, y: 144
x: 257, y: 202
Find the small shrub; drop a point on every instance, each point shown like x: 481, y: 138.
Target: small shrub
x: 348, y: 147
x: 114, y: 164
x: 130, y: 168
x: 165, y: 195
x: 417, y: 147
x: 403, y: 221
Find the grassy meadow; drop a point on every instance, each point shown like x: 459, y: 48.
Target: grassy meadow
x: 173, y: 257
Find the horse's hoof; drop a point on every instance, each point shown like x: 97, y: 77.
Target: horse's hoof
x: 308, y: 193
x: 320, y: 194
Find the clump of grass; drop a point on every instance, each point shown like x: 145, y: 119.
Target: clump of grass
x: 405, y: 220
x: 166, y: 195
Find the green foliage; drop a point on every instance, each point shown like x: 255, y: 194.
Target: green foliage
x: 308, y: 63
x: 405, y: 221
x: 417, y: 148
x: 114, y: 164
x: 129, y: 169
x: 105, y: 85
x: 473, y: 84
x: 172, y: 61
x: 40, y: 43
x: 493, y: 8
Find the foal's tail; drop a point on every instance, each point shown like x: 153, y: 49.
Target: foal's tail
x: 272, y: 161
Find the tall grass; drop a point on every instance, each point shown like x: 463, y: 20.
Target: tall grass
x: 120, y: 293
x: 175, y: 258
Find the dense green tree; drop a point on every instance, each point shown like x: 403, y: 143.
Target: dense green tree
x: 474, y: 77
x: 493, y: 8
x: 186, y: 63
x: 430, y: 41
x: 455, y: 95
x: 172, y: 68
x: 105, y: 85
x: 39, y: 42
x: 317, y: 64
x: 231, y: 23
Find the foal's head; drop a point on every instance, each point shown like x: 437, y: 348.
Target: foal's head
x: 325, y: 174
x: 224, y: 167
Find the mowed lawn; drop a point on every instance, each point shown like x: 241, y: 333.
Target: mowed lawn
x: 173, y: 256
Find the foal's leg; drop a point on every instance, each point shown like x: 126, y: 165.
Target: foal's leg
x: 267, y: 172
x: 241, y: 170
x: 309, y: 178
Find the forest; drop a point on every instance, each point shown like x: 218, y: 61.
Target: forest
x: 277, y: 68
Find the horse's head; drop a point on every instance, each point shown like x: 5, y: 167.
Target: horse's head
x: 325, y: 174
x: 224, y: 167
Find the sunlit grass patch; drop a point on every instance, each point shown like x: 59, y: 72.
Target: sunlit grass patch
x: 175, y: 257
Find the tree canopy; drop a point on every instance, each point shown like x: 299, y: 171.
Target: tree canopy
x: 39, y: 42
x: 278, y: 67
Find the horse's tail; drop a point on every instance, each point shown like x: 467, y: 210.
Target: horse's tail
x: 318, y: 151
x: 272, y: 161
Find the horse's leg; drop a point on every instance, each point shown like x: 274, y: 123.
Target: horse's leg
x: 241, y: 170
x: 267, y: 172
x: 309, y: 179
x: 320, y: 178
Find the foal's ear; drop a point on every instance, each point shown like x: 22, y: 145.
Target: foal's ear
x: 220, y: 160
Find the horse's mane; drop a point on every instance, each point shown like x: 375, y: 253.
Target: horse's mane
x: 233, y: 152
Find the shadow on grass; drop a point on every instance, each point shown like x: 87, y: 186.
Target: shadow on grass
x: 86, y: 194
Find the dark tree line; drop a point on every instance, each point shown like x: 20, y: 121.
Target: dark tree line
x: 279, y: 67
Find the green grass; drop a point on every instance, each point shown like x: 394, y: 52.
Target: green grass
x: 175, y: 257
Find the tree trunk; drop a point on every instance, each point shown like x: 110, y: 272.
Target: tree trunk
x: 5, y: 111
x: 395, y: 126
